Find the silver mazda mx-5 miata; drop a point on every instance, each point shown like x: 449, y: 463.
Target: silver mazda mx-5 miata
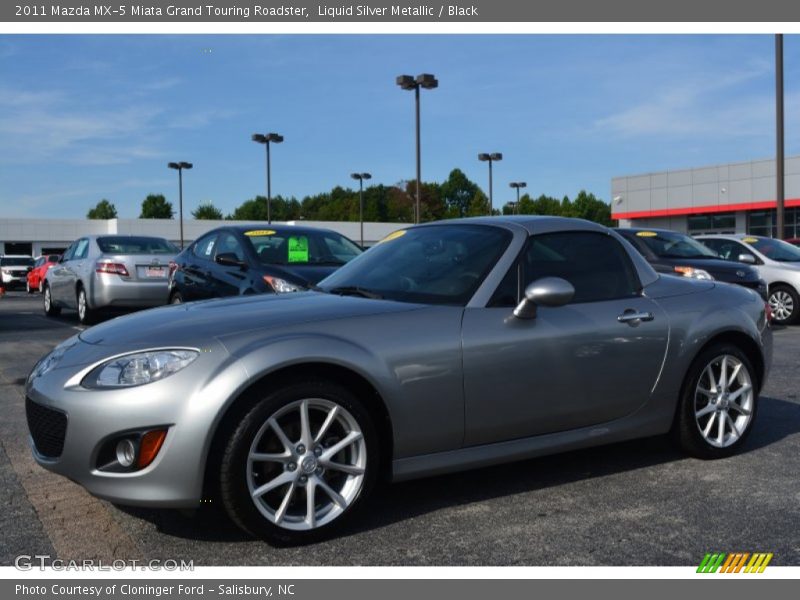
x: 447, y: 346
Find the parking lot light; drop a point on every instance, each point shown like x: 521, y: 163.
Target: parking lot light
x: 261, y: 138
x: 407, y: 82
x: 490, y: 158
x: 517, y: 185
x: 180, y: 166
x: 361, y: 177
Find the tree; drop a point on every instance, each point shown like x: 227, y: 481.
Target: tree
x: 207, y: 211
x: 587, y: 206
x: 255, y: 209
x: 103, y: 210
x: 155, y: 206
x: 478, y: 206
x: 458, y: 192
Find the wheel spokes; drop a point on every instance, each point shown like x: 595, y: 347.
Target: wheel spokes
x: 734, y: 431
x: 275, y: 426
x: 745, y: 388
x: 720, y: 429
x: 311, y: 509
x: 349, y: 469
x: 305, y: 425
x: 708, y: 408
x: 329, y: 419
x: 284, y: 457
x: 333, y: 495
x: 350, y: 438
x: 282, y: 479
x: 281, y: 512
x: 710, y: 423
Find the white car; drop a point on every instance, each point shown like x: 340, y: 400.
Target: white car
x: 14, y: 269
x: 777, y: 262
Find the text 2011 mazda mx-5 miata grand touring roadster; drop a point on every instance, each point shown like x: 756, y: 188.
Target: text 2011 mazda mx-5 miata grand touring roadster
x: 447, y: 346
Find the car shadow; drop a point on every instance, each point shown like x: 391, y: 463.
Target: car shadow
x: 394, y: 503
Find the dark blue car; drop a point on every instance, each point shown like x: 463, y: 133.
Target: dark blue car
x: 239, y: 260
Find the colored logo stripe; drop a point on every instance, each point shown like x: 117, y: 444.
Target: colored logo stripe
x: 735, y: 562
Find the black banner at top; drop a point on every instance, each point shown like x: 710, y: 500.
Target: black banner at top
x: 199, y: 11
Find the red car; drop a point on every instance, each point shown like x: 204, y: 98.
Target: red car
x: 40, y: 268
x: 794, y: 241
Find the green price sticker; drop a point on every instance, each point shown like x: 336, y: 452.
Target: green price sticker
x: 298, y: 249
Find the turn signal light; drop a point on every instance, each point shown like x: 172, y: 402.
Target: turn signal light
x: 113, y: 268
x: 149, y: 447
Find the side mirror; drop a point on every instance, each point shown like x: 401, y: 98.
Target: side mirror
x: 229, y: 259
x: 547, y: 291
x: 748, y: 259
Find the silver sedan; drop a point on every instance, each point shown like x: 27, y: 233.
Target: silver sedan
x: 100, y: 272
x: 447, y: 346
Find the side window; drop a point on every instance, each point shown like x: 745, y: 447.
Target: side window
x: 596, y: 264
x: 204, y: 247
x: 229, y: 244
x: 508, y: 292
x: 81, y: 249
x: 68, y: 252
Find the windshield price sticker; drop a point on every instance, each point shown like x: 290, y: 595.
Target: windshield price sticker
x: 258, y: 232
x: 646, y: 233
x: 393, y: 236
x: 298, y: 249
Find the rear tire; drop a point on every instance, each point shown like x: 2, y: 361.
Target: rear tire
x: 50, y: 309
x: 785, y: 304
x: 176, y: 298
x: 86, y: 315
x: 718, y: 403
x: 28, y: 287
x: 321, y: 475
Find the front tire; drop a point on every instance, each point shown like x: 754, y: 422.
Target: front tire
x: 28, y: 287
x: 176, y: 298
x: 50, y: 309
x: 785, y: 304
x: 300, y: 463
x: 718, y: 403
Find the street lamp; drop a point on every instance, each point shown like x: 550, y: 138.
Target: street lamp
x: 407, y: 82
x: 517, y: 185
x: 265, y: 139
x: 180, y: 166
x: 490, y: 158
x: 361, y: 177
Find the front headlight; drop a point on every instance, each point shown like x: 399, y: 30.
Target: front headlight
x: 281, y: 286
x: 139, y: 368
x: 693, y: 272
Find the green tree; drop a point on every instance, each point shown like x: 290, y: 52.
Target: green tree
x: 458, y: 193
x: 155, y: 206
x: 587, y: 206
x: 255, y: 209
x: 207, y: 211
x: 478, y: 206
x: 102, y: 210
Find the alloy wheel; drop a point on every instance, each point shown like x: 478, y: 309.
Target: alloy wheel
x: 82, y: 305
x: 723, y: 401
x: 47, y: 299
x: 782, y: 305
x: 306, y: 464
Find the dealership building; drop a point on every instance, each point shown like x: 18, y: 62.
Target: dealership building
x: 35, y: 237
x: 730, y: 198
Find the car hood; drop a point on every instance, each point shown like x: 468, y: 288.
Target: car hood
x: 190, y: 323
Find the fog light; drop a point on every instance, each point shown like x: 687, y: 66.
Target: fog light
x: 126, y: 452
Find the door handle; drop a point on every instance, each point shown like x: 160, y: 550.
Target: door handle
x: 633, y: 317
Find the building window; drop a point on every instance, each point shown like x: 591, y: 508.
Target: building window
x: 762, y: 222
x: 713, y: 222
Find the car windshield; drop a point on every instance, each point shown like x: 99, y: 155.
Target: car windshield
x: 775, y: 249
x: 432, y: 264
x: 16, y: 262
x: 668, y: 244
x: 135, y: 245
x: 304, y: 247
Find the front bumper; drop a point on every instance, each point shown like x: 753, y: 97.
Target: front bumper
x: 188, y: 404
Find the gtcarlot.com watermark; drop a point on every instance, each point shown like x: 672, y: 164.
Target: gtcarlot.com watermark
x: 27, y: 562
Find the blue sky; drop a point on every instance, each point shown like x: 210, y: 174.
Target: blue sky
x: 85, y: 117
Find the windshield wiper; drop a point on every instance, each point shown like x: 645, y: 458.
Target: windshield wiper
x: 354, y: 290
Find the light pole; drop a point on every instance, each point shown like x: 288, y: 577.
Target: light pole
x: 361, y: 177
x: 779, y: 200
x: 180, y: 166
x: 265, y: 139
x: 490, y: 158
x: 517, y: 185
x: 407, y: 82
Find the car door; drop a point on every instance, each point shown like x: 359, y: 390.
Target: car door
x: 572, y: 366
x: 197, y: 272
x: 74, y: 269
x: 230, y: 280
x: 58, y: 276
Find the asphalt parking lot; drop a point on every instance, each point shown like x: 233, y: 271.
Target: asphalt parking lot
x: 636, y: 503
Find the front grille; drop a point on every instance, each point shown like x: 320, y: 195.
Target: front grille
x: 48, y: 428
